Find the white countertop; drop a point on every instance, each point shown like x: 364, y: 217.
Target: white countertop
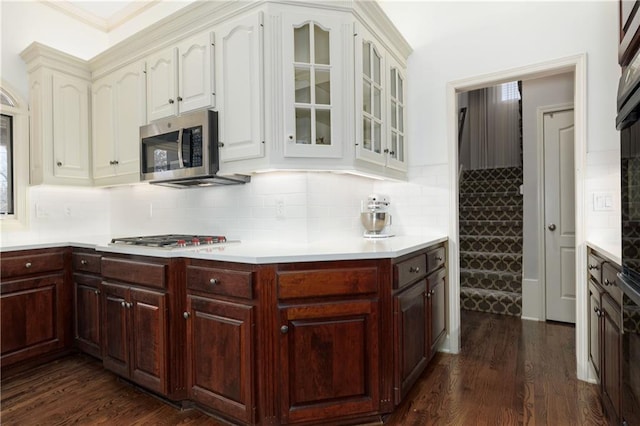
x: 610, y: 249
x: 260, y: 252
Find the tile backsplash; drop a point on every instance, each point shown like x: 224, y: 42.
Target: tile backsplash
x: 287, y: 206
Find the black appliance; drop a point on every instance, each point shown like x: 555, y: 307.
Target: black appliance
x: 182, y: 151
x: 628, y: 122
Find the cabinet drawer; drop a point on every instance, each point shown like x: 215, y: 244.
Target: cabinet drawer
x: 225, y: 282
x: 435, y: 258
x: 594, y: 263
x: 31, y: 264
x: 610, y: 282
x: 86, y: 262
x: 409, y: 270
x: 327, y: 282
x: 149, y: 274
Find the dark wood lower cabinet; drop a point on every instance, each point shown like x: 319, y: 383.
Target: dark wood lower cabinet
x: 220, y: 348
x: 135, y: 335
x: 611, y: 358
x: 329, y: 360
x: 411, y: 338
x: 87, y: 314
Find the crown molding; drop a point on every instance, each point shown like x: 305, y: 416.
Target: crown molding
x: 103, y: 24
x: 37, y: 55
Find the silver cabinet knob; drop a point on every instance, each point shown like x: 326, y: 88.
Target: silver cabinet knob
x: 416, y: 269
x: 96, y: 292
x: 284, y: 329
x: 592, y: 267
x: 171, y: 101
x: 27, y: 265
x: 213, y: 281
x: 123, y: 304
x: 186, y: 315
x: 552, y: 227
x: 179, y: 98
x: 59, y: 164
x: 84, y: 262
x: 129, y: 305
x: 428, y: 294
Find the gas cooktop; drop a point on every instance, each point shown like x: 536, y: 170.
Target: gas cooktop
x: 170, y: 241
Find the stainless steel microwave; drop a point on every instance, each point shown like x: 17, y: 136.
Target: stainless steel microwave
x: 182, y: 151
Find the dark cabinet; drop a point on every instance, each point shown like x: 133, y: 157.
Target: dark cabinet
x: 221, y: 340
x: 419, y: 308
x: 35, y: 318
x: 87, y: 309
x: 605, y: 332
x: 329, y: 340
x: 135, y: 322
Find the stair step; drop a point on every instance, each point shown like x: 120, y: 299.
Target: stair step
x: 501, y: 185
x: 504, y: 228
x: 499, y: 262
x: 491, y: 280
x: 491, y: 243
x: 491, y: 213
x: 490, y: 199
x: 493, y: 174
x: 493, y: 301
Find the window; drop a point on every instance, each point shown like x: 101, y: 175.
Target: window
x: 6, y: 164
x: 509, y: 91
x: 14, y: 159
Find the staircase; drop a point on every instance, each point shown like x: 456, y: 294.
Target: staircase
x: 491, y: 241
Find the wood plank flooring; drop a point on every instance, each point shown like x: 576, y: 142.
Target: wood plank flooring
x: 510, y: 372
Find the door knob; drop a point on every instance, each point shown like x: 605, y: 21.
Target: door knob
x: 552, y: 227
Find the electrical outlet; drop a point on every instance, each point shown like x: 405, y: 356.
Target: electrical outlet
x: 41, y: 212
x: 279, y: 208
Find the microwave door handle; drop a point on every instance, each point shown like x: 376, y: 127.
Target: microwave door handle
x: 180, y: 159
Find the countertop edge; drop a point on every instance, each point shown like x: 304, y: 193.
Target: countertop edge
x: 606, y: 252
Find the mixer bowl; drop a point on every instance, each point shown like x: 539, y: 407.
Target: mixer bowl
x: 374, y: 222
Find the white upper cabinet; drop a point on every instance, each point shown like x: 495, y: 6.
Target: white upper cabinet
x: 313, y: 74
x: 179, y: 79
x: 396, y: 136
x: 240, y: 92
x: 118, y: 112
x: 380, y: 104
x: 59, y: 125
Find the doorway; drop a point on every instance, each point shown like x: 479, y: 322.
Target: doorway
x: 531, y: 290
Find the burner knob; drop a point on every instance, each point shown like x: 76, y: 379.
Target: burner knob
x: 195, y: 241
x: 208, y: 240
x: 182, y: 243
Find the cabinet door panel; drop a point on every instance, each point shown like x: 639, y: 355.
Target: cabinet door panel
x: 70, y: 127
x: 595, y: 328
x: 195, y: 80
x: 240, y: 96
x: 162, y: 85
x: 611, y: 357
x: 148, y: 339
x: 31, y: 319
x: 130, y: 114
x: 221, y: 356
x: 412, y: 337
x: 103, y: 128
x: 437, y: 309
x: 87, y: 311
x: 115, y: 345
x: 328, y: 358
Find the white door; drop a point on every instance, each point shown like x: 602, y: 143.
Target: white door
x: 162, y: 85
x: 103, y: 128
x: 559, y: 206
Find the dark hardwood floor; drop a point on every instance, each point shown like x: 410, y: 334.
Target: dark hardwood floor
x: 510, y: 372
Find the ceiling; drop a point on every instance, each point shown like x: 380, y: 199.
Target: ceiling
x: 104, y: 15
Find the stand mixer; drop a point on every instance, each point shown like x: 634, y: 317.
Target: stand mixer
x: 375, y: 217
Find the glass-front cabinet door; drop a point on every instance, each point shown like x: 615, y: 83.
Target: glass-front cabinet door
x: 370, y: 99
x: 396, y: 139
x: 312, y: 74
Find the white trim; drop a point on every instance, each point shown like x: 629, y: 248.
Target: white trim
x: 20, y: 113
x: 577, y: 64
x: 542, y: 261
x: 107, y: 24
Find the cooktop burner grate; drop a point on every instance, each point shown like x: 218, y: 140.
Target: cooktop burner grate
x: 170, y: 240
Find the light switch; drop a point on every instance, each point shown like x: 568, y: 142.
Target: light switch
x: 602, y: 201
